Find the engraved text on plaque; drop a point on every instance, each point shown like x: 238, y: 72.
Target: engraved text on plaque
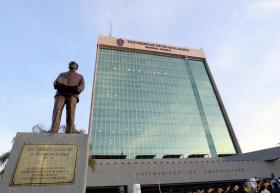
x: 41, y: 164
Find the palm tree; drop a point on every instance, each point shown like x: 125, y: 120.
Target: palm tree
x: 3, y: 160
x: 38, y: 128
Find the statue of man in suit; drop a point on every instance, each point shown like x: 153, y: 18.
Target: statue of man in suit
x: 68, y: 85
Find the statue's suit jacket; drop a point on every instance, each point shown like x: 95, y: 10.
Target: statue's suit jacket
x: 69, y: 84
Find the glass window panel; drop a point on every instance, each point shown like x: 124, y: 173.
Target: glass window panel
x: 146, y: 104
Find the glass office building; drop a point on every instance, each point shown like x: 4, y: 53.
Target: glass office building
x: 151, y: 99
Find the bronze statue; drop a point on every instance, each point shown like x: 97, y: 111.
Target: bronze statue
x: 68, y: 85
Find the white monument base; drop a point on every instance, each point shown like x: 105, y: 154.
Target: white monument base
x: 46, y: 162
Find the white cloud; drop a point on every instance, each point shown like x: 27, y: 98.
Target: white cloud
x: 6, y: 139
x: 264, y: 8
x: 270, y: 70
x: 248, y: 71
x: 262, y: 106
x: 261, y: 129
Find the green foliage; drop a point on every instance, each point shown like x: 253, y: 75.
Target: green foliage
x: 39, y: 128
x: 4, y: 157
x: 3, y: 160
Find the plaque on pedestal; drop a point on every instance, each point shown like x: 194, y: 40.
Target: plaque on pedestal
x: 41, y: 164
x: 46, y: 163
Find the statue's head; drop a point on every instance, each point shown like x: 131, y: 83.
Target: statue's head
x: 73, y: 65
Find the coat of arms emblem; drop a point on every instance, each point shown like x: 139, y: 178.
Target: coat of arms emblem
x: 120, y: 42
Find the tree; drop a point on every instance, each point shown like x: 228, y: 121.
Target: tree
x: 3, y: 160
x: 39, y: 128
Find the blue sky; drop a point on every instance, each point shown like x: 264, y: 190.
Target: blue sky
x: 240, y: 38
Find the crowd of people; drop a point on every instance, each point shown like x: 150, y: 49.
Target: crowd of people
x: 253, y: 185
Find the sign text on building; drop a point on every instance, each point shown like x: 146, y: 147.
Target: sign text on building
x: 156, y: 46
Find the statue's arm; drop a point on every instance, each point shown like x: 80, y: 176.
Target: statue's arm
x: 57, y: 85
x: 81, y: 86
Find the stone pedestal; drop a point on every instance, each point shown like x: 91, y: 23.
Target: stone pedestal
x: 45, y: 162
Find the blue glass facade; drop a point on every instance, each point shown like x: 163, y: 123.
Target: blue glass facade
x: 146, y: 104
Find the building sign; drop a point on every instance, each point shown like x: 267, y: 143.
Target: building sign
x: 105, y: 41
x: 189, y: 172
x: 154, y: 46
x: 41, y: 164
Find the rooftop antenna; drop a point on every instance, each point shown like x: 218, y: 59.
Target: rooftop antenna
x: 111, y: 29
x: 110, y: 19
